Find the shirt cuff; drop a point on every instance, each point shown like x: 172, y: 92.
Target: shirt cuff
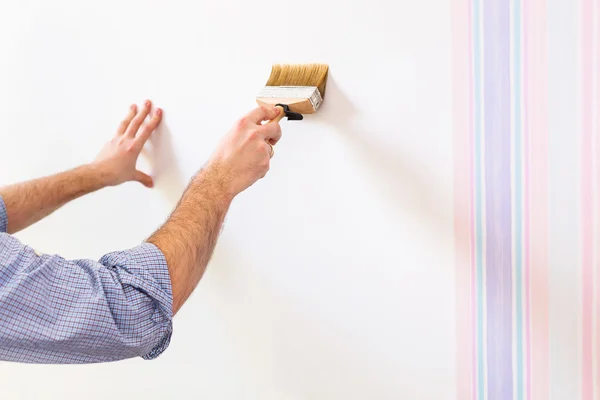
x: 148, y: 261
x: 3, y: 217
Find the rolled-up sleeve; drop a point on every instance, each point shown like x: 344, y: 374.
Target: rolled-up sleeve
x: 59, y: 311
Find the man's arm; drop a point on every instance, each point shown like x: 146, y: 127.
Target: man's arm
x: 58, y: 311
x: 189, y: 236
x: 28, y: 202
x: 54, y: 310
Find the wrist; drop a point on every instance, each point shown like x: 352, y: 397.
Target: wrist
x: 215, y: 178
x: 97, y: 174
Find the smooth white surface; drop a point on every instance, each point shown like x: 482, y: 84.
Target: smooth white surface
x: 333, y: 278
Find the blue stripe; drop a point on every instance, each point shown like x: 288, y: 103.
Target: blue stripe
x: 478, y: 197
x: 518, y: 196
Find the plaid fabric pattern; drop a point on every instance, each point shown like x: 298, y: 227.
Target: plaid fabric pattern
x: 58, y: 311
x: 3, y: 217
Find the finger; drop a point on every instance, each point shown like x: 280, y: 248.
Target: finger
x: 264, y: 172
x: 146, y: 130
x: 138, y: 119
x: 272, y: 132
x: 127, y: 120
x: 144, y: 179
x: 270, y: 150
x: 262, y: 113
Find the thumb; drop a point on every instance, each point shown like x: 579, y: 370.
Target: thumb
x: 144, y: 179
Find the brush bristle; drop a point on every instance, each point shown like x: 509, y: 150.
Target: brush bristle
x: 299, y: 75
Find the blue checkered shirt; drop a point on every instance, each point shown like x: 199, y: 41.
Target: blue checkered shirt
x: 57, y: 311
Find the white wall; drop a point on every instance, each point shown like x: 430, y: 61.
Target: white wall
x: 334, y: 276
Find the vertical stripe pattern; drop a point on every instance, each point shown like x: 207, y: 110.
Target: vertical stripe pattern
x: 564, y: 182
x: 518, y: 196
x: 498, y: 199
x: 587, y: 194
x: 536, y: 116
x: 596, y: 201
x: 463, y: 127
x: 527, y: 174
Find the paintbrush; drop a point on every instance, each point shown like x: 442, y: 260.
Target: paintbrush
x: 296, y: 88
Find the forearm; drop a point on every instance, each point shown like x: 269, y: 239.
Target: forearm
x: 28, y: 202
x: 188, y: 238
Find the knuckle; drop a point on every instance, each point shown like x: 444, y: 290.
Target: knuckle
x: 241, y: 122
x: 264, y: 171
x: 253, y: 134
x: 265, y: 163
x: 273, y: 129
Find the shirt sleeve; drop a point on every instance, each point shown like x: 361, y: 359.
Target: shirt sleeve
x: 3, y: 217
x: 58, y: 311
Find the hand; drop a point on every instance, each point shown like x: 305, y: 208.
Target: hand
x: 117, y: 160
x: 244, y: 154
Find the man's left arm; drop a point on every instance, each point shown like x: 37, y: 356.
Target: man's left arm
x: 28, y: 202
x: 59, y: 311
x: 54, y: 310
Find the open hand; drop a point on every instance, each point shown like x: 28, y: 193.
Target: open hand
x: 117, y: 160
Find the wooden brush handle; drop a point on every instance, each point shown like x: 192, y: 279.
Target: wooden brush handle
x: 278, y: 117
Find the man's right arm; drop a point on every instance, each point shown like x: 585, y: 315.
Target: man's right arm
x: 54, y: 310
x: 189, y: 236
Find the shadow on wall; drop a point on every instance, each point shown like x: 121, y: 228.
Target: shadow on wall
x: 168, y: 178
x: 398, y: 177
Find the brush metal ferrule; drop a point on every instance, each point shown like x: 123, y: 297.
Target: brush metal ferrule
x: 293, y: 92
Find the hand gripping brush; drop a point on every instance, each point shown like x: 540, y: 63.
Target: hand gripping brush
x: 296, y: 88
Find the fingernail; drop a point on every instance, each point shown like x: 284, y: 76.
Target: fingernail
x: 158, y: 112
x: 147, y: 103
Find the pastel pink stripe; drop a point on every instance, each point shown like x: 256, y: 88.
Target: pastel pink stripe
x: 526, y: 208
x: 537, y: 87
x: 462, y: 197
x: 587, y: 202
x: 596, y: 239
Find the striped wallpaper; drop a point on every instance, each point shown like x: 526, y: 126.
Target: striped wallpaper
x: 527, y: 207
